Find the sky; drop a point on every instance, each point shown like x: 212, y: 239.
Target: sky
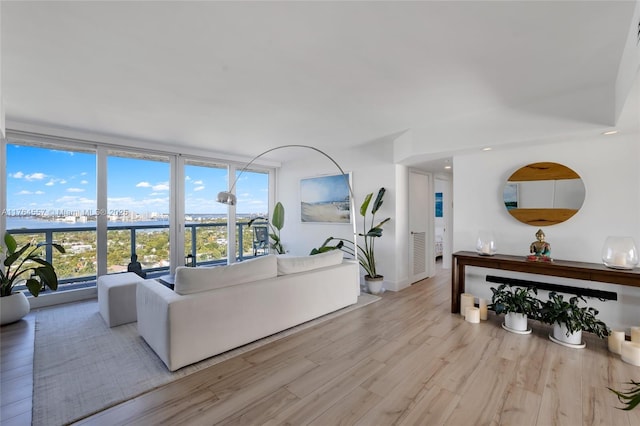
x: 46, y: 181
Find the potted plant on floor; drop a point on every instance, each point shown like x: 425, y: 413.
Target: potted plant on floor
x: 366, y: 250
x: 276, y: 224
x: 23, y: 266
x: 518, y: 304
x: 569, y: 320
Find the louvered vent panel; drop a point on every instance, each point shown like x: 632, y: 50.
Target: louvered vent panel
x: 419, y: 255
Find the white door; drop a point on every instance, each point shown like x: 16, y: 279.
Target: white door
x: 421, y: 262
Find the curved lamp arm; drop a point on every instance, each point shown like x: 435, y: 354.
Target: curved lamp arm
x: 228, y: 197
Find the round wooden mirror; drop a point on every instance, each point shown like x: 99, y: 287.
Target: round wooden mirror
x: 542, y: 194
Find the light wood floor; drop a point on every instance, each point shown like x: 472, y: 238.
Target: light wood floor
x: 403, y: 360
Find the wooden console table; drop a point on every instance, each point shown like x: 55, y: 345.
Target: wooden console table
x: 558, y: 268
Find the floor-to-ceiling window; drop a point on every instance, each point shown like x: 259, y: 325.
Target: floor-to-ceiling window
x: 137, y: 210
x: 206, y: 231
x: 252, y: 192
x: 51, y: 196
x: 104, y: 203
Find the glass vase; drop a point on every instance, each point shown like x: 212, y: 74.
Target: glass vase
x: 486, y: 244
x: 620, y: 253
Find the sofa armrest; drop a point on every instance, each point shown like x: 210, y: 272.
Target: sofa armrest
x: 152, y: 303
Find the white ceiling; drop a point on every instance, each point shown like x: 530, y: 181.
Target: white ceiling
x: 240, y: 77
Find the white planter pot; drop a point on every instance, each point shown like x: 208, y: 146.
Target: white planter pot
x: 374, y: 285
x: 13, y: 308
x: 560, y: 333
x: 515, y: 321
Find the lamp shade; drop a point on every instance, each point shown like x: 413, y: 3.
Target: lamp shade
x: 226, y: 197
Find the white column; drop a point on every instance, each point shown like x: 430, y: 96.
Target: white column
x: 101, y: 209
x: 176, y: 213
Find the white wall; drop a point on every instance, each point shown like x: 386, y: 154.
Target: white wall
x: 610, y: 169
x: 371, y: 168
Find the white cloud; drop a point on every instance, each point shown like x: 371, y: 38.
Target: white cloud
x: 17, y: 175
x: 187, y: 178
x: 63, y: 181
x: 198, y: 182
x: 84, y: 182
x: 24, y: 192
x: 75, y: 190
x: 198, y: 188
x: 39, y: 192
x: 143, y: 185
x: 50, y: 183
x: 162, y: 186
x: 35, y: 176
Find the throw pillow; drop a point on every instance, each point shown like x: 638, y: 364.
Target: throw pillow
x: 196, y: 280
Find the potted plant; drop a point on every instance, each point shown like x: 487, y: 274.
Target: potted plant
x: 518, y: 304
x: 569, y: 320
x: 23, y: 265
x: 276, y: 224
x: 366, y: 250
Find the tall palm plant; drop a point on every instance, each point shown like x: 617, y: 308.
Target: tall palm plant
x: 276, y: 224
x: 366, y: 250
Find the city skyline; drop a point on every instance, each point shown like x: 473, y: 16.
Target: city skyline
x: 47, y: 181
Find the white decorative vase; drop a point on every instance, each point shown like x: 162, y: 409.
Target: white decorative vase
x: 515, y: 321
x: 560, y: 334
x: 13, y: 308
x: 374, y: 285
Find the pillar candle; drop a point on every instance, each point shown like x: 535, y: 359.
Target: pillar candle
x: 615, y: 341
x: 466, y: 300
x: 473, y: 315
x: 482, y: 303
x: 620, y: 259
x: 631, y: 353
x: 635, y: 334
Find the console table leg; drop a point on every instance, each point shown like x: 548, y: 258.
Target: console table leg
x: 457, y: 284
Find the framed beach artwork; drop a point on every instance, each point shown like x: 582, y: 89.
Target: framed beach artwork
x: 325, y: 199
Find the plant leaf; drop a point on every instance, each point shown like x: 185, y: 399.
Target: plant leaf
x: 365, y: 204
x: 278, y: 216
x: 378, y: 202
x: 10, y: 242
x: 34, y: 286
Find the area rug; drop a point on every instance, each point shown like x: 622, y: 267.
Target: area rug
x: 81, y: 366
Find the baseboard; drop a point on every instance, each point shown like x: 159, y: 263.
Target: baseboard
x: 66, y: 296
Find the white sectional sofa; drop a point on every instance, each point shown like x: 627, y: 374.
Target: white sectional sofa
x: 213, y: 310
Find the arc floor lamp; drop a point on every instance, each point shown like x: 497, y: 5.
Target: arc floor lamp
x: 228, y: 197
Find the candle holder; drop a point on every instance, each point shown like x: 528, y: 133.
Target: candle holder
x: 486, y: 244
x: 619, y: 253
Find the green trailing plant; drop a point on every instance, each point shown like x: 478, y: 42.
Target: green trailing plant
x: 520, y: 300
x: 275, y: 225
x: 366, y: 250
x: 630, y: 397
x: 26, y: 264
x: 575, y: 317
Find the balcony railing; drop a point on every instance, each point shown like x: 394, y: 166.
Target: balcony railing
x: 80, y: 275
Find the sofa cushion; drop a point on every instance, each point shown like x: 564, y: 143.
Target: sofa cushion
x: 196, y: 280
x: 295, y: 264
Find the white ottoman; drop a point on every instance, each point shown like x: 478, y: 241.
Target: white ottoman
x: 117, y: 298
